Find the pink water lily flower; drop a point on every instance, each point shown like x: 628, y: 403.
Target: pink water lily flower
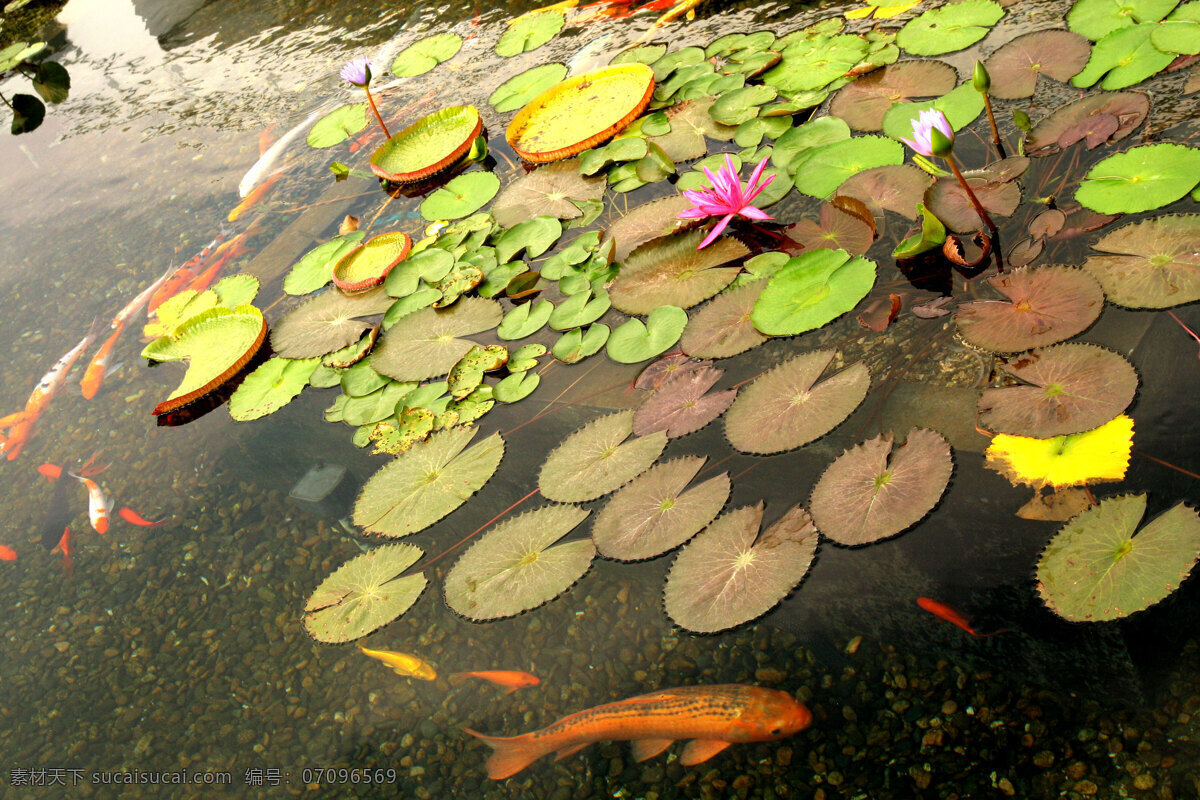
x: 726, y: 198
x: 923, y: 127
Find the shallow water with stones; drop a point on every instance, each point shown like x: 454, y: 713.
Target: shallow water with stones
x: 181, y: 647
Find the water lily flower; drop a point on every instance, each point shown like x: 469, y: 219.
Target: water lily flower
x: 727, y: 198
x: 923, y: 126
x: 357, y: 71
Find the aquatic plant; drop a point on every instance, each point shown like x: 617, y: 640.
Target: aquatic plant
x: 357, y: 72
x: 726, y: 198
x: 49, y: 78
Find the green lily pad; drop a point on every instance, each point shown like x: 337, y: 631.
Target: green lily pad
x: 597, y: 459
x: 1154, y: 263
x: 427, y: 482
x: 420, y: 57
x: 327, y: 322
x: 525, y: 357
x: 806, y: 137
x: 461, y: 196
x: 951, y: 27
x: 270, y: 387
x: 534, y: 236
x: 960, y: 106
x: 431, y: 144
x: 1096, y: 569
x: 364, y: 594
x: 828, y: 166
x: 814, y: 63
x: 520, y: 89
x: 736, y: 107
x: 516, y: 387
x: 646, y: 54
x: 338, y: 125
x: 376, y: 406
x: 577, y: 344
x: 465, y: 376
x: 525, y: 320
x: 514, y: 566
x: 1123, y: 58
x: 17, y: 52
x: 360, y: 380
x: 933, y: 234
x: 786, y: 407
x: 1178, y: 33
x: 1140, y: 179
x: 217, y: 344
x: 580, y: 309
x: 315, y: 268
x: 811, y: 290
x: 529, y: 32
x: 635, y: 341
x: 1096, y: 19
x: 236, y: 290
x: 671, y: 271
x: 423, y: 297
x: 428, y: 342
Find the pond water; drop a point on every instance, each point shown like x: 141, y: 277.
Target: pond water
x: 182, y: 648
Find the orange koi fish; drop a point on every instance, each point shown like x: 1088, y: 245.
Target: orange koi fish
x: 225, y: 253
x: 134, y: 518
x: 7, y: 553
x: 93, y: 377
x: 713, y: 717
x: 98, y: 504
x: 175, y: 281
x: 512, y: 679
x: 21, y: 425
x: 257, y: 194
x: 951, y: 615
x: 51, y: 472
x: 64, y: 547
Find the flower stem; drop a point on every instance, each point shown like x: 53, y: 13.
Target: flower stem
x: 5, y: 99
x: 987, y: 103
x: 371, y: 100
x: 983, y: 215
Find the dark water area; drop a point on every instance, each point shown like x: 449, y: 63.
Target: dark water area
x: 181, y: 648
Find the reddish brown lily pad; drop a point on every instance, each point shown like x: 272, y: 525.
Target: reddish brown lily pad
x: 1068, y: 388
x: 1043, y: 305
x: 874, y: 491
x: 646, y: 223
x: 896, y: 187
x: 863, y: 102
x: 1015, y: 66
x: 547, y: 191
x: 1152, y: 264
x: 835, y: 230
x: 681, y: 406
x: 667, y: 368
x: 1129, y: 109
x: 722, y: 328
x: 673, y: 272
x: 995, y: 187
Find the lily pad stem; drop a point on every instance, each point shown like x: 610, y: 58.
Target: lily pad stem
x: 371, y: 100
x: 983, y: 215
x: 5, y: 99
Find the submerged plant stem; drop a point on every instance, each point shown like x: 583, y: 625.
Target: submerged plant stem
x: 469, y: 536
x: 371, y: 100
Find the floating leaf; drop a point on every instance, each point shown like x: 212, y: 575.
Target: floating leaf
x: 1095, y: 19
x: 422, y: 56
x: 729, y: 574
x: 217, y: 344
x: 338, y: 125
x: 461, y: 196
x: 529, y: 32
x: 951, y: 27
x: 364, y: 593
x: 428, y: 146
x: 812, y: 64
x: 534, y: 236
x: 1178, y: 33
x: 1014, y: 68
x: 1068, y: 388
x: 834, y: 230
x: 787, y: 408
x: 315, y: 269
x: 1129, y: 109
x: 514, y: 566
x: 236, y: 290
x: 516, y: 387
x: 426, y: 483
x: 1101, y: 454
x: 960, y: 107
x: 520, y: 89
x: 548, y: 191
x: 1155, y: 263
x: 579, y: 309
x: 647, y: 222
x: 896, y: 188
x: 681, y: 406
x: 327, y: 322
x: 691, y: 127
x: 580, y: 112
x: 576, y: 345
x: 270, y: 387
x: 525, y: 320
x: 828, y: 166
x: 597, y: 459
x: 1123, y: 58
x: 1096, y: 569
x: 360, y: 380
x: 734, y: 108
x: 428, y: 342
x: 997, y: 192
x: 863, y: 103
x: 635, y: 341
x: 933, y: 234
x: 654, y: 514
x: 722, y: 328
x: 1043, y: 305
x: 671, y: 271
x: 366, y: 265
x: 810, y: 290
x: 376, y: 406
x: 1140, y: 179
x: 875, y: 490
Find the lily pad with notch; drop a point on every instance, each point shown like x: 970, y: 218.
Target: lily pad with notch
x: 786, y: 407
x: 1042, y: 306
x: 327, y: 322
x: 722, y: 328
x: 833, y: 230
x: 897, y: 188
x: 827, y: 167
x: 579, y: 309
x: 1153, y: 263
x: 635, y: 341
x: 811, y: 290
x: 1095, y: 456
x: 270, y: 387
x: 672, y: 271
x: 1014, y: 67
x: 515, y: 387
x: 461, y: 196
x: 1123, y: 58
x: 577, y: 344
x: 363, y: 594
x: 525, y: 320
x: 875, y: 490
x: 337, y: 126
x: 315, y: 268
x: 597, y: 459
x: 656, y: 512
x: 953, y: 26
x: 645, y: 223
x: 682, y: 405
x: 1140, y: 179
x: 1096, y: 19
x: 422, y: 56
x: 548, y: 191
x: 863, y: 103
x: 520, y: 89
x: 529, y: 32
x: 428, y: 342
x: 1128, y: 109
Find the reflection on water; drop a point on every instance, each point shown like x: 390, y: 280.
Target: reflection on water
x: 180, y: 647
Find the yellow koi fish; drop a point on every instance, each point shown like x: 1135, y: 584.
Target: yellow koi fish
x: 402, y: 664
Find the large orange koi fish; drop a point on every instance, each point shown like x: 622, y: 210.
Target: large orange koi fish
x: 713, y: 717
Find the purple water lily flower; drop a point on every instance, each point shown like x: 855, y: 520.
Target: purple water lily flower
x: 727, y: 198
x: 923, y: 127
x: 357, y: 71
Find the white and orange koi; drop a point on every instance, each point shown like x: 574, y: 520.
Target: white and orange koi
x: 176, y: 280
x: 135, y: 305
x: 21, y: 425
x: 98, y: 504
x: 224, y: 254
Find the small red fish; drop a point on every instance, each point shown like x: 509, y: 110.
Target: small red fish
x: 951, y: 615
x: 64, y: 547
x: 134, y: 518
x: 511, y: 679
x: 50, y: 471
x: 7, y: 553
